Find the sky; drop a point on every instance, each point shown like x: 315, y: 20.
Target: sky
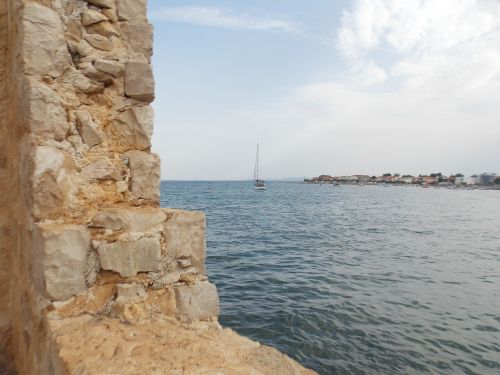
x: 326, y: 87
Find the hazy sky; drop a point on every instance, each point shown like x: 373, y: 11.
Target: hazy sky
x: 326, y: 86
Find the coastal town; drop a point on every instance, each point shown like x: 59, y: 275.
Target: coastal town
x: 476, y: 181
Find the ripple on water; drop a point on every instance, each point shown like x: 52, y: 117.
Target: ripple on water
x: 356, y: 280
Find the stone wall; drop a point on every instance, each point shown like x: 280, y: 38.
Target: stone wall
x: 82, y: 231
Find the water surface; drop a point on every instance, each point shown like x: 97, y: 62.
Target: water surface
x: 356, y: 280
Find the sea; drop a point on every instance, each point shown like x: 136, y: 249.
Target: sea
x: 356, y: 279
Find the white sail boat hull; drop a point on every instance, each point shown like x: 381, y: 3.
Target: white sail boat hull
x: 258, y: 183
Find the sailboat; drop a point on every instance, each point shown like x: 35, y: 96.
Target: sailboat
x: 258, y: 183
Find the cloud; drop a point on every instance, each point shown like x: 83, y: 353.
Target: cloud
x: 442, y: 43
x: 225, y: 18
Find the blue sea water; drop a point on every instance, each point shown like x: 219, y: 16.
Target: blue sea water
x: 356, y: 279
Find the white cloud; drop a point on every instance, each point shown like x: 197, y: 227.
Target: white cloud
x: 225, y: 18
x: 368, y: 73
x: 444, y: 44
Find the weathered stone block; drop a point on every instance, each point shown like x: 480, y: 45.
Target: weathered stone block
x: 139, y: 36
x: 88, y: 69
x: 129, y: 10
x: 197, y: 302
x: 129, y: 219
x: 111, y: 13
x: 91, y: 16
x: 135, y: 127
x: 44, y: 46
x: 46, y: 113
x: 74, y: 30
x: 185, y: 236
x: 111, y: 67
x: 103, y: 28
x: 130, y: 293
x: 101, y: 169
x: 88, y: 129
x: 52, y: 169
x: 139, y: 81
x: 61, y: 255
x: 83, y: 83
x: 99, y: 42
x: 129, y: 258
x: 145, y: 175
x: 102, y: 3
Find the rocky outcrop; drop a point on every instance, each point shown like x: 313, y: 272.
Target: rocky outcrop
x: 88, y: 260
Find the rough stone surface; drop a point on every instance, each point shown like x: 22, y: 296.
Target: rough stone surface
x: 129, y: 258
x: 111, y: 67
x: 130, y: 293
x: 197, y: 302
x: 185, y: 236
x: 91, y: 16
x: 63, y: 250
x: 51, y: 176
x: 44, y: 46
x: 161, y: 346
x: 46, y: 112
x: 139, y: 36
x: 102, y: 3
x: 135, y: 127
x: 87, y: 128
x: 145, y: 175
x: 103, y: 28
x: 111, y: 13
x: 74, y: 31
x: 129, y: 219
x: 139, y: 81
x: 88, y: 69
x: 102, y: 169
x: 99, y: 42
x: 129, y: 10
x: 83, y: 83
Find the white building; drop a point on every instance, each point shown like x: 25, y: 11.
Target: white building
x: 472, y: 180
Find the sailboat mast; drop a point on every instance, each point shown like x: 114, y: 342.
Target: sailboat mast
x: 257, y: 164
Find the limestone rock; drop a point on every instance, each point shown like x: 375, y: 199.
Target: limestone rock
x: 46, y: 114
x: 129, y: 219
x: 103, y: 28
x: 80, y: 50
x: 145, y: 175
x: 101, y: 169
x: 44, y: 46
x: 139, y: 36
x: 129, y: 258
x: 63, y: 250
x: 51, y: 179
x: 185, y: 236
x: 111, y: 67
x: 111, y: 13
x: 131, y: 10
x: 74, y: 30
x: 99, y: 42
x: 130, y: 293
x: 91, y: 16
x: 88, y: 69
x: 102, y: 3
x: 135, y: 127
x: 88, y: 129
x: 139, y: 81
x: 83, y: 83
x: 197, y: 302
